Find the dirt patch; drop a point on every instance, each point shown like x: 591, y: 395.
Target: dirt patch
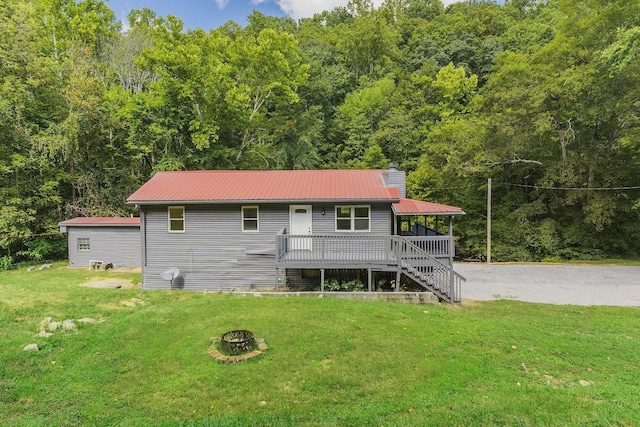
x: 108, y: 284
x: 127, y: 269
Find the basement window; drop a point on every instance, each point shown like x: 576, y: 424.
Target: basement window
x: 84, y: 245
x: 250, y: 219
x: 176, y: 219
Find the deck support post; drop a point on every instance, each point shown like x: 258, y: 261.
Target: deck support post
x: 369, y: 278
x: 452, y: 286
x: 399, y: 244
x: 322, y: 280
x: 277, y: 279
x: 395, y: 224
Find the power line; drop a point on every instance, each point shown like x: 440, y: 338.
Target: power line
x: 538, y: 187
x: 451, y: 188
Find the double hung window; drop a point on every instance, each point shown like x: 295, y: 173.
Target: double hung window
x: 353, y: 218
x: 250, y: 219
x: 176, y: 219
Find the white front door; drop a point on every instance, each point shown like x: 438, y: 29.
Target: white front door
x: 300, y: 225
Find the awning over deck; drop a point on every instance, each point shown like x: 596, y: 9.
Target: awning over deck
x: 417, y: 207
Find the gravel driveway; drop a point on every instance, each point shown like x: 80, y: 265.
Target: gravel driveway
x: 552, y: 283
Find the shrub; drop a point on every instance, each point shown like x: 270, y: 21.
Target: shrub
x: 353, y: 286
x: 333, y: 285
x: 6, y: 263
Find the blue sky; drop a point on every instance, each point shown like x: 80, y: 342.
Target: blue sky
x: 208, y: 14
x: 205, y: 14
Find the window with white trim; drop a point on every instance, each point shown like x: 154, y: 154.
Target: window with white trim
x: 353, y: 218
x: 84, y: 245
x: 250, y: 217
x: 176, y: 219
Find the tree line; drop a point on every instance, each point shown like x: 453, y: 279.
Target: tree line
x: 542, y: 96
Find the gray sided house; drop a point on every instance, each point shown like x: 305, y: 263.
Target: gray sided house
x: 223, y: 230
x: 107, y: 240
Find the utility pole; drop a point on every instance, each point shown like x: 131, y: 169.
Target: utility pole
x: 489, y: 221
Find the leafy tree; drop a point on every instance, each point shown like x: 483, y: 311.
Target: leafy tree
x: 539, y: 95
x: 367, y: 45
x: 359, y: 118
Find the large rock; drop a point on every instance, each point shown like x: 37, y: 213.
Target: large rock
x: 31, y: 347
x: 68, y: 325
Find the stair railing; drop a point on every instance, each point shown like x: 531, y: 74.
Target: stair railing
x: 429, y: 272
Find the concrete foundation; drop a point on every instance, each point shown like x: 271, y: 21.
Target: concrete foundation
x: 400, y: 297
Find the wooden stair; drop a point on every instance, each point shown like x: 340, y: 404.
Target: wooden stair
x: 430, y: 273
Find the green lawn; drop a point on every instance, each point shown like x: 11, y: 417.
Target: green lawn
x: 330, y: 362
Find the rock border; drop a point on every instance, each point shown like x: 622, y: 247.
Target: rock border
x: 234, y: 360
x: 48, y: 324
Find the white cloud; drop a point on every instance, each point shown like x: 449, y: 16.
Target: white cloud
x: 221, y: 3
x: 307, y: 8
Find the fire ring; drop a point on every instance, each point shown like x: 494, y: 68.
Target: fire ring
x: 238, y: 341
x: 239, y: 345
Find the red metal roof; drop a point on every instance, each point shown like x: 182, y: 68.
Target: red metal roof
x: 265, y: 186
x: 97, y: 221
x: 417, y: 207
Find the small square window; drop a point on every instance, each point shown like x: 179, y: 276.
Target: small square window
x: 83, y: 244
x: 250, y: 217
x: 176, y: 219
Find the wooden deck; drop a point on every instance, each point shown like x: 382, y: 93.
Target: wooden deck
x: 427, y: 260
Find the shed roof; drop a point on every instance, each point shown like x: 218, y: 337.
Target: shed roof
x: 417, y: 207
x: 101, y: 221
x: 265, y: 186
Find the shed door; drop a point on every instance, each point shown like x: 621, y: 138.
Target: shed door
x: 300, y: 224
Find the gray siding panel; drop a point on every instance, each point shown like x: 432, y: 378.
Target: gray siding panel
x: 398, y: 179
x: 213, y: 253
x: 117, y: 245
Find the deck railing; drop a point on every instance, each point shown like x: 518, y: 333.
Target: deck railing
x: 328, y: 249
x: 419, y: 257
x: 437, y: 246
